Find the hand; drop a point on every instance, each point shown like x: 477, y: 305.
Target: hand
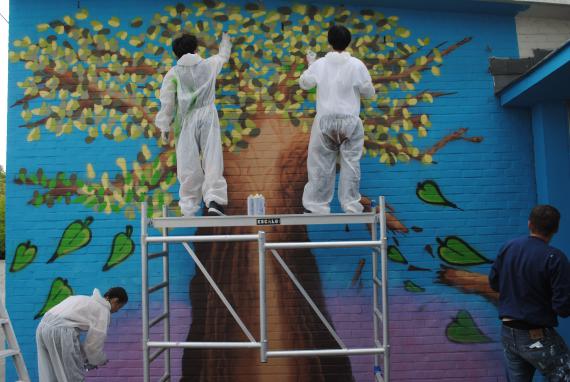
x: 311, y: 57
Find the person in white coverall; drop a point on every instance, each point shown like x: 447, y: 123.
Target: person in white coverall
x: 62, y: 357
x: 337, y: 129
x: 187, y: 95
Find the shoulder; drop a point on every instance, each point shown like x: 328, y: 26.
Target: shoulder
x: 170, y: 73
x: 554, y: 254
x: 357, y: 63
x: 516, y: 242
x: 319, y: 62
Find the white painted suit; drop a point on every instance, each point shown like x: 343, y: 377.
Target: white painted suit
x: 337, y: 130
x: 61, y: 355
x: 187, y: 95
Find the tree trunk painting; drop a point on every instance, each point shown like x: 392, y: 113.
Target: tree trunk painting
x: 276, y: 165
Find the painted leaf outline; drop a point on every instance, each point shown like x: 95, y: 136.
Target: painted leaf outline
x: 455, y: 251
x: 411, y: 286
x: 429, y: 192
x: 19, y: 263
x: 121, y: 249
x: 77, y: 231
x: 395, y: 255
x: 59, y: 291
x: 463, y: 330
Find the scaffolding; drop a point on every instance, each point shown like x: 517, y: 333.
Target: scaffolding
x: 377, y: 243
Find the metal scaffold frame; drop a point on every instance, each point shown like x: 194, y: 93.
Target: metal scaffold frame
x: 377, y: 243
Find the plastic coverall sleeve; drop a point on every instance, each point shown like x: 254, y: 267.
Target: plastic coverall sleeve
x: 95, y: 340
x: 223, y: 54
x: 167, y: 102
x: 364, y: 83
x: 308, y: 79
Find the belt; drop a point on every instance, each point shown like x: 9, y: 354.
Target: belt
x: 521, y: 325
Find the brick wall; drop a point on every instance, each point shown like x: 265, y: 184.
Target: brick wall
x: 435, y: 123
x: 541, y: 33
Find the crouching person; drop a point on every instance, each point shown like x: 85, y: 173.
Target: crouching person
x: 62, y: 357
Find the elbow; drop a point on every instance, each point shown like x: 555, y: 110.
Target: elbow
x: 305, y: 85
x: 563, y: 311
x: 494, y: 284
x: 368, y: 91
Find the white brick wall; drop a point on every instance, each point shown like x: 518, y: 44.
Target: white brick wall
x: 541, y: 33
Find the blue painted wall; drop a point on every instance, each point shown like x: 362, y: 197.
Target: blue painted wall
x: 490, y: 180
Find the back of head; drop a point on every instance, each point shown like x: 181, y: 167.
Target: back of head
x: 544, y: 220
x: 119, y: 293
x: 339, y: 37
x: 184, y: 44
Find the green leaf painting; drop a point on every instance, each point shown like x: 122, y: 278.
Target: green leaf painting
x: 463, y: 330
x: 59, y: 291
x: 411, y: 286
x: 25, y: 254
x: 395, y: 255
x: 453, y: 250
x: 429, y: 192
x: 123, y: 247
x: 76, y: 236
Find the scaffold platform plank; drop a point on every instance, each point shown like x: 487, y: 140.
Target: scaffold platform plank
x: 260, y: 221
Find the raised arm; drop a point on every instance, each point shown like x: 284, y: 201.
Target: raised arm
x: 308, y: 79
x: 223, y: 53
x: 167, y: 102
x: 364, y: 83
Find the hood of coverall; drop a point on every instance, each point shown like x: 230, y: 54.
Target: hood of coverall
x: 337, y: 58
x: 100, y: 299
x: 189, y: 59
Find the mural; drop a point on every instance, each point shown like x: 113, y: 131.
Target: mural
x: 123, y: 247
x: 76, y: 236
x: 59, y: 291
x: 25, y: 254
x: 90, y: 79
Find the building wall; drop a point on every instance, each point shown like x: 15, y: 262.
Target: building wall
x: 541, y: 33
x: 455, y: 167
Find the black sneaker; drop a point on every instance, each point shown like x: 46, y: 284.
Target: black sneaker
x: 306, y: 211
x: 214, y: 209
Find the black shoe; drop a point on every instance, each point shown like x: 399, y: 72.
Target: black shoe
x: 306, y: 211
x: 214, y: 209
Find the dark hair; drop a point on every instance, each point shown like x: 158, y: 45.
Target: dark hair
x: 339, y: 37
x: 544, y: 220
x: 186, y: 43
x: 119, y: 293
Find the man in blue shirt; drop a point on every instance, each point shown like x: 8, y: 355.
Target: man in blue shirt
x: 533, y: 281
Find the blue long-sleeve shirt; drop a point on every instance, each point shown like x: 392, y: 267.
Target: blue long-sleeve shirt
x: 533, y: 281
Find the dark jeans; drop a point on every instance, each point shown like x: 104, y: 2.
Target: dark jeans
x: 524, y: 355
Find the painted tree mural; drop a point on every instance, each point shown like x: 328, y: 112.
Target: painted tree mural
x: 101, y: 78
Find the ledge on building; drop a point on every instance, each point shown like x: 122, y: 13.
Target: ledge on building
x: 525, y: 82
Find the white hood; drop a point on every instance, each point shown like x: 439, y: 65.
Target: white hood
x: 100, y: 299
x: 189, y: 59
x: 337, y: 58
